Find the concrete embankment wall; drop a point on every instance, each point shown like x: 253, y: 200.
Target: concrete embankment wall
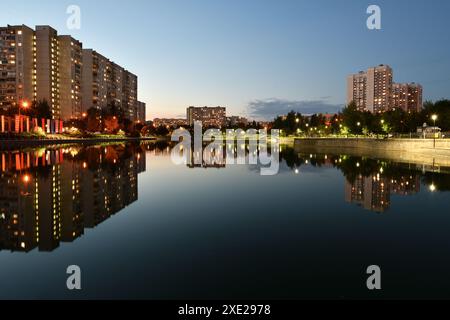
x: 419, y: 151
x: 379, y: 144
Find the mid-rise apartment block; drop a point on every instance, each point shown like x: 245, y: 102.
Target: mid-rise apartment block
x: 210, y: 117
x: 38, y: 65
x: 407, y: 96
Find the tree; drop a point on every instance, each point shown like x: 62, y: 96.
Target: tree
x: 442, y: 109
x: 41, y: 109
x: 353, y: 119
x: 93, y: 120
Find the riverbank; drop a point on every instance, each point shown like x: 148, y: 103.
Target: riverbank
x: 418, y: 151
x: 12, y: 144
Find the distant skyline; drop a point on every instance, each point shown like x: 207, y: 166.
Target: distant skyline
x: 258, y: 59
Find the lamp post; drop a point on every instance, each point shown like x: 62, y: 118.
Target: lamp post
x: 24, y: 104
x: 359, y: 125
x: 434, y: 118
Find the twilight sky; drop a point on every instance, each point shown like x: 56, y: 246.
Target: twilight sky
x: 259, y: 58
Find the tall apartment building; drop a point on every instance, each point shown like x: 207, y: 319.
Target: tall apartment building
x: 375, y: 91
x: 38, y: 65
x: 407, y: 96
x: 105, y: 83
x: 357, y: 90
x: 371, y: 90
x: 17, y: 65
x: 379, y: 88
x: 94, y: 78
x: 47, y: 68
x: 70, y: 72
x: 210, y: 117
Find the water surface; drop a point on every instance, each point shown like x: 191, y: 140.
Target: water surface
x: 141, y: 227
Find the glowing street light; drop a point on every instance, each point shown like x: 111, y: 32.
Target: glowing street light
x: 434, y: 117
x: 25, y: 104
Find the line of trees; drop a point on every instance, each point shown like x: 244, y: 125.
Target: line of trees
x: 38, y: 109
x: 352, y: 121
x: 109, y: 120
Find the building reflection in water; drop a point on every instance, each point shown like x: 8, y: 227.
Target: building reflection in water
x: 374, y: 191
x: 370, y: 183
x: 49, y: 196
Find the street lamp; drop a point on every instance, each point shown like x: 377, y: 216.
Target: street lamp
x: 24, y: 104
x: 434, y: 117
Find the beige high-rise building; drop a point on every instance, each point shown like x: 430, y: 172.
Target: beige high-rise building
x: 16, y: 65
x: 70, y: 72
x: 357, y: 90
x: 407, y: 96
x: 47, y: 68
x: 379, y: 88
x: 371, y: 90
x: 375, y: 91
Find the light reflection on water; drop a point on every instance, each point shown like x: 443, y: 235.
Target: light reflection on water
x: 139, y: 226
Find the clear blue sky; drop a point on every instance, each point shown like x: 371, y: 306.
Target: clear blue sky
x: 255, y: 56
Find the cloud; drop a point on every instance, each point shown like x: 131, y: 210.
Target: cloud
x: 270, y: 108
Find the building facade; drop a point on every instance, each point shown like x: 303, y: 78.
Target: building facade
x: 371, y: 90
x: 38, y: 65
x: 141, y: 109
x: 105, y: 84
x: 17, y: 66
x: 357, y: 90
x: 210, y: 117
x: 375, y: 91
x: 407, y: 96
x: 47, y: 69
x: 172, y: 123
x: 70, y: 70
